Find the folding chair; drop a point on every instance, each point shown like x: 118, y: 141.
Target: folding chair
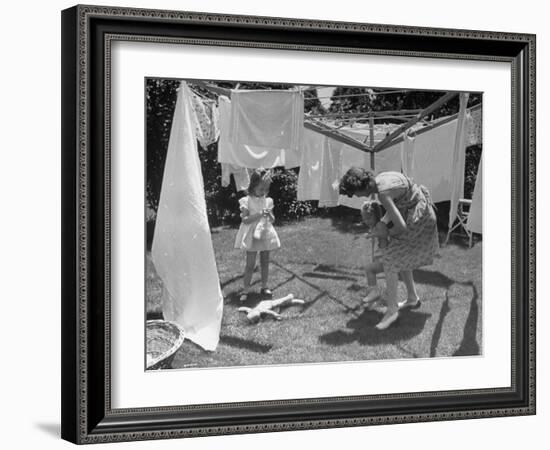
x: 463, y: 211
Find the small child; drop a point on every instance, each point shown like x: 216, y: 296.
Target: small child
x: 256, y: 233
x: 371, y: 213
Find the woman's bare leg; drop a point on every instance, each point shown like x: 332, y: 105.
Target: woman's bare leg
x: 412, y: 295
x: 391, y: 300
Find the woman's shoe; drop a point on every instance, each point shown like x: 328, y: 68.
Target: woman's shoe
x: 244, y: 297
x: 387, y: 321
x: 265, y: 292
x: 409, y: 304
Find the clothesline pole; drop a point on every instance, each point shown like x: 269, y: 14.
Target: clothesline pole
x: 369, y: 113
x: 429, y: 127
x: 320, y: 127
x: 435, y: 105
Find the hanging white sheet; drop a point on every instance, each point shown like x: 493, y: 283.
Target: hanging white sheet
x: 309, y: 178
x: 241, y: 175
x: 459, y: 158
x: 182, y: 246
x: 330, y: 173
x: 267, y: 118
x: 407, y: 154
x: 249, y: 156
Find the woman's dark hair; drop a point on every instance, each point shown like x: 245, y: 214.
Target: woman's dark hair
x: 355, y: 179
x: 256, y: 177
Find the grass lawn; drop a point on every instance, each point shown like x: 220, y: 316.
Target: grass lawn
x: 321, y: 261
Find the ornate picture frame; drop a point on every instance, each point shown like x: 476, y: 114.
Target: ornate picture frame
x: 87, y: 35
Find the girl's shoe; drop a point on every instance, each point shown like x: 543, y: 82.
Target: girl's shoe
x: 409, y: 304
x: 265, y: 292
x: 374, y: 294
x: 387, y: 321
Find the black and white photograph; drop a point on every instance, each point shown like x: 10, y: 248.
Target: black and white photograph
x: 296, y: 224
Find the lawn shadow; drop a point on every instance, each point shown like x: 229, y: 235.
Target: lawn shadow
x: 363, y: 331
x: 439, y: 326
x: 433, y: 278
x: 328, y: 276
x: 469, y: 345
x: 245, y: 344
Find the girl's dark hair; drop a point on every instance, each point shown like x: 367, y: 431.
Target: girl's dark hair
x: 373, y: 208
x: 256, y: 177
x: 355, y: 179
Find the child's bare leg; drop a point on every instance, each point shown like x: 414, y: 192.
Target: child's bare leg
x: 249, y: 270
x: 374, y: 291
x: 264, y: 264
x: 371, y: 270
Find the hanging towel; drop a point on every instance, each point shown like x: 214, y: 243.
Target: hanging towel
x: 182, y: 246
x: 241, y: 175
x: 309, y: 178
x: 458, y: 159
x: 407, y: 154
x: 330, y: 173
x: 252, y: 157
x: 475, y: 222
x: 267, y: 118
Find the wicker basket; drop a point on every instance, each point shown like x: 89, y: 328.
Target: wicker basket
x: 163, y: 341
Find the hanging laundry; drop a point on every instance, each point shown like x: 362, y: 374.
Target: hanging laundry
x: 407, y: 154
x: 182, y: 246
x: 353, y: 157
x: 330, y: 173
x: 309, y: 178
x: 241, y: 175
x: 433, y: 156
x: 267, y: 118
x: 458, y: 159
x: 252, y: 157
x: 475, y: 223
x: 206, y: 112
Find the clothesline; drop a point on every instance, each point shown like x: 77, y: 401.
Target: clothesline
x: 320, y: 127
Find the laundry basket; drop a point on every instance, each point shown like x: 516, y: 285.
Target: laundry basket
x: 163, y: 341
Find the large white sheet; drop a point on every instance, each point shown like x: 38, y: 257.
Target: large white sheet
x: 458, y: 159
x: 249, y: 156
x: 182, y: 246
x: 267, y: 118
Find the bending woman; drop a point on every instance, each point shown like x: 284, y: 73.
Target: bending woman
x: 413, y: 239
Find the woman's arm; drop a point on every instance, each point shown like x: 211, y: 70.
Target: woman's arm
x: 399, y: 225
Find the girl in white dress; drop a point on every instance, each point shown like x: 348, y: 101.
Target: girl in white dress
x: 256, y: 233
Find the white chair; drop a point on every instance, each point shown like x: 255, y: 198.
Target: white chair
x: 463, y: 211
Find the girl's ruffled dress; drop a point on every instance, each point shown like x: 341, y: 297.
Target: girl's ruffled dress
x: 245, y: 236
